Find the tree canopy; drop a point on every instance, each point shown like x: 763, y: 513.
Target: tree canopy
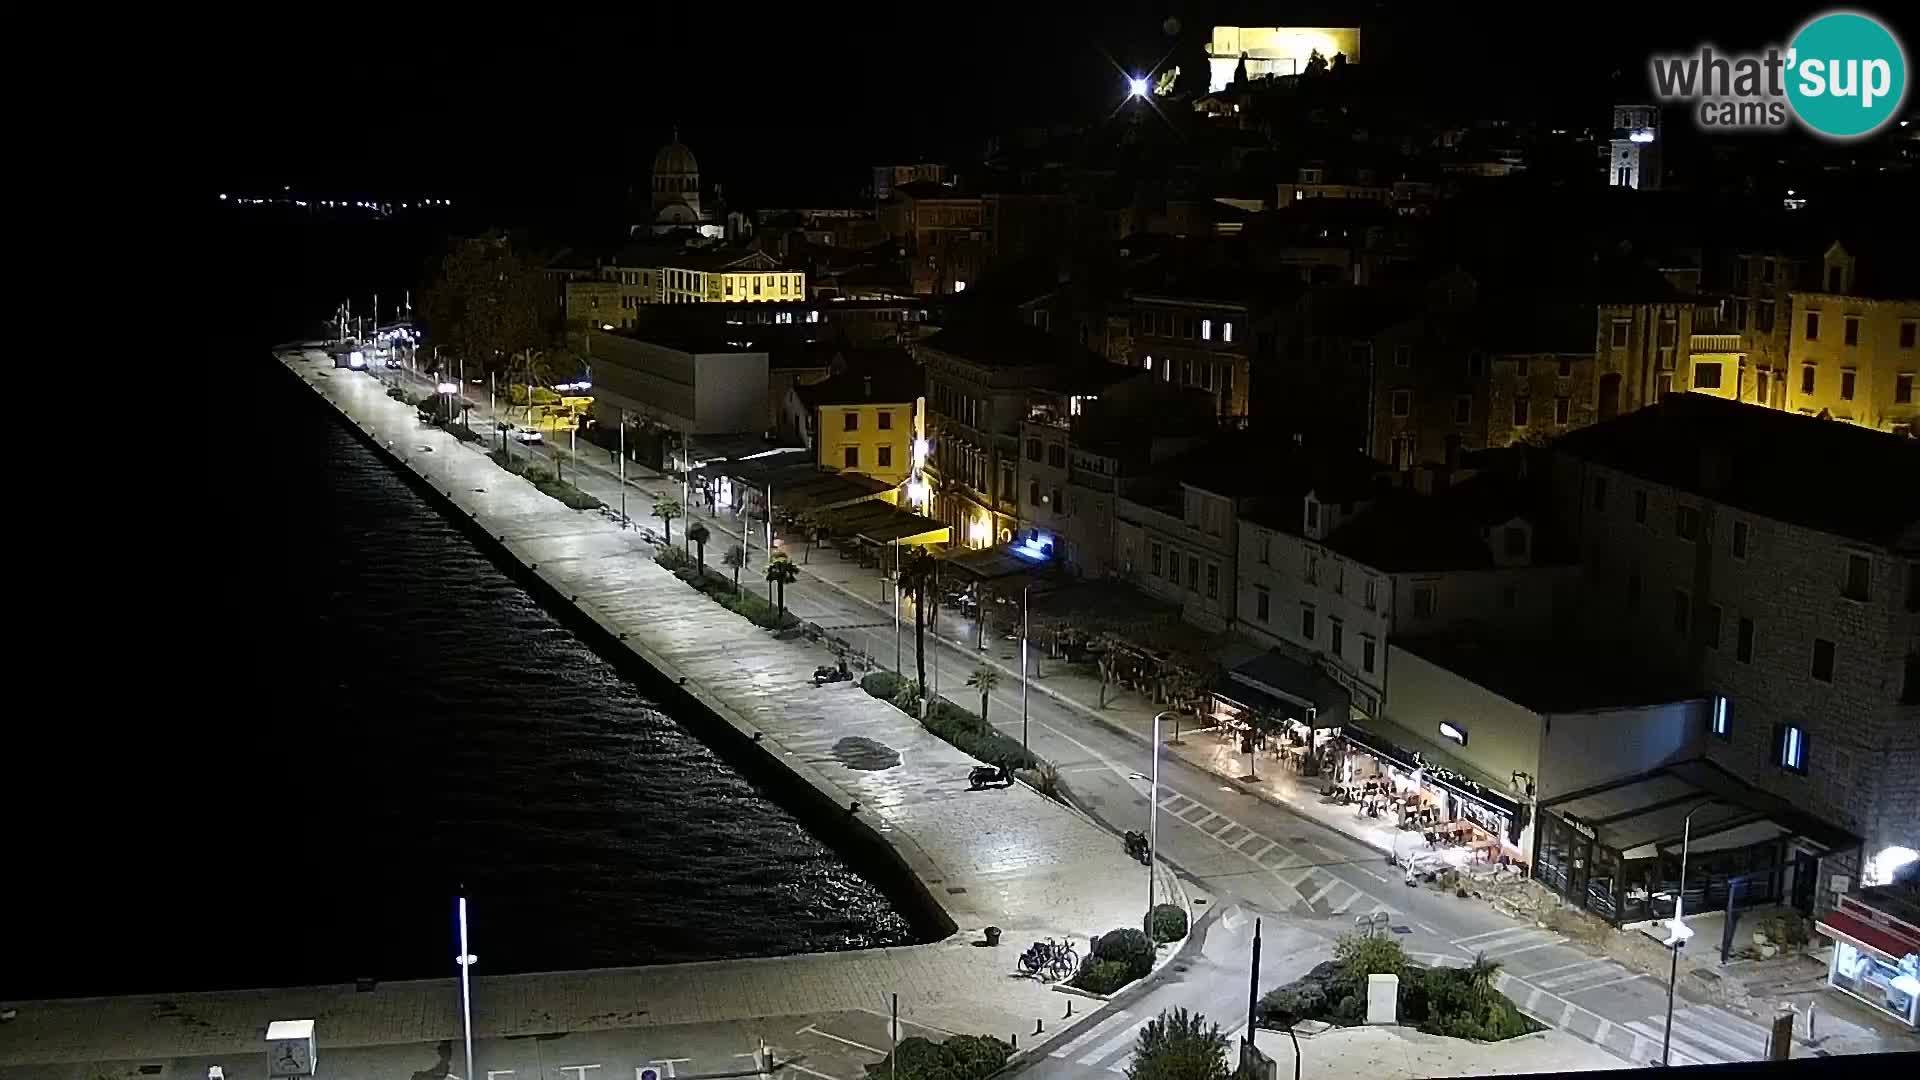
x: 488, y: 304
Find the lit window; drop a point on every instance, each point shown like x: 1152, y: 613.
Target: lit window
x: 1792, y: 745
x: 1719, y: 718
x: 1206, y: 329
x: 1226, y: 333
x: 1454, y: 732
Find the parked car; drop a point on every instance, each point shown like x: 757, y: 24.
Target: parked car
x: 525, y: 435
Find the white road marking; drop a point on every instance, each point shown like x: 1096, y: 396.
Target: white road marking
x: 1527, y: 948
x: 1090, y: 1034
x: 810, y: 1072
x: 1324, y: 890
x: 1258, y: 855
x: 1601, y: 1032
x: 1093, y: 1056
x: 811, y: 1030
x: 1609, y: 982
x: 1489, y: 934
x: 1538, y: 976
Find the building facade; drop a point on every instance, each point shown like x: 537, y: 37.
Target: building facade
x: 1854, y: 357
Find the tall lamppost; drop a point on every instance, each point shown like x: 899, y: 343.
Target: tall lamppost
x: 1677, y: 931
x: 1024, y: 591
x: 1153, y: 823
x: 466, y: 960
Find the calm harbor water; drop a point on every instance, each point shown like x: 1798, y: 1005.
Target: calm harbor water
x: 380, y: 716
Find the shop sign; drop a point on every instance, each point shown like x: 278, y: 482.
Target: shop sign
x: 1581, y: 827
x: 1487, y: 819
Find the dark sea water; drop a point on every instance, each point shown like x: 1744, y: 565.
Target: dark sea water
x: 299, y: 709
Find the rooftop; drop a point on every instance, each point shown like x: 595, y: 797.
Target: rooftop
x: 875, y: 384
x: 1819, y: 474
x: 1547, y: 676
x: 997, y: 343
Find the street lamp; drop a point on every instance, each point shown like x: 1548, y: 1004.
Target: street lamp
x: 1153, y: 821
x: 1024, y: 591
x: 466, y: 960
x: 1677, y: 931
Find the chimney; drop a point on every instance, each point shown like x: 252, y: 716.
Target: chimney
x: 868, y: 381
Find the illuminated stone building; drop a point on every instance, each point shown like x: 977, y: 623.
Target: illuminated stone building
x: 1274, y: 50
x: 1633, y: 153
x: 943, y: 233
x: 1852, y: 346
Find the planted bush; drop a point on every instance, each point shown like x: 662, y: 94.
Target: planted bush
x: 1103, y: 977
x: 961, y: 1057
x: 673, y: 558
x: 954, y: 725
x: 881, y: 684
x: 1169, y: 922
x: 1128, y: 946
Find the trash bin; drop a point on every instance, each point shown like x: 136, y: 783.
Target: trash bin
x: 993, y: 935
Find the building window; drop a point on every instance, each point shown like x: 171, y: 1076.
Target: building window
x: 886, y: 457
x: 1453, y: 732
x: 1850, y: 331
x: 1806, y: 379
x: 1423, y: 601
x: 1566, y: 367
x: 1213, y: 582
x: 1718, y: 721
x: 1600, y: 493
x: 1367, y: 594
x: 851, y: 456
x: 1519, y: 412
x: 1813, y: 326
x: 1706, y: 376
x: 1686, y: 522
x: 1265, y: 558
x: 1682, y: 611
x: 1903, y: 388
x: 1790, y: 748
x: 1741, y: 535
x: 1193, y: 572
x: 1154, y: 553
x: 1173, y: 566
x: 1710, y: 630
x: 1367, y: 646
x: 1620, y: 328
x: 1262, y: 603
x: 850, y: 421
x: 1339, y: 578
x: 1033, y: 493
x: 1669, y: 333
x: 886, y: 420
x: 1823, y: 660
x: 1312, y: 573
x: 1743, y: 641
x: 1463, y: 409
x: 1226, y: 332
x: 1859, y: 571
x: 1402, y: 402
x: 1033, y: 449
x: 1907, y: 333
x: 1403, y: 356
x: 1338, y: 631
x: 1206, y: 329
x: 1562, y: 410
x: 1059, y: 501
x: 1640, y: 507
x: 1057, y: 456
x: 1306, y: 622
x: 1846, y: 385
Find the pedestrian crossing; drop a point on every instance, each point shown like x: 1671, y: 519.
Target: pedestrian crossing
x: 1702, y: 1035
x: 1296, y: 870
x: 1108, y: 1045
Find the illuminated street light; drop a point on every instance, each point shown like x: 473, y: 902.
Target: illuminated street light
x: 1136, y: 86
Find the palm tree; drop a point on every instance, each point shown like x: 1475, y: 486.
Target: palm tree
x: 919, y: 574
x: 666, y: 508
x: 985, y: 680
x: 699, y: 534
x: 736, y: 557
x: 1480, y: 973
x: 780, y: 573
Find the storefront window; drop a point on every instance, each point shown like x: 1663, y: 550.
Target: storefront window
x: 1888, y: 987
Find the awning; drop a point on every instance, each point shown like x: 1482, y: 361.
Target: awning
x: 798, y: 486
x: 1440, y: 769
x: 1648, y: 813
x: 994, y: 563
x: 880, y: 522
x: 1864, y: 935
x: 1297, y: 685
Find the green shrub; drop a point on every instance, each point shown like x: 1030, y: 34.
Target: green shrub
x: 906, y: 699
x: 1128, y: 946
x: 1361, y: 955
x: 1350, y: 1011
x: 961, y: 1057
x: 1102, y: 976
x: 1300, y: 1001
x: 882, y: 684
x: 396, y: 393
x: 1044, y: 779
x: 672, y: 558
x: 1169, y: 922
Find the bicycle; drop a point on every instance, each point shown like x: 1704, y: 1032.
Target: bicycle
x: 1050, y: 960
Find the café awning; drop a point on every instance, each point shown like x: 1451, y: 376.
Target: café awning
x: 1294, y: 687
x: 878, y: 522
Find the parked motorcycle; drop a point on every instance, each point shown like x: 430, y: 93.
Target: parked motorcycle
x: 1138, y: 848
x: 984, y: 775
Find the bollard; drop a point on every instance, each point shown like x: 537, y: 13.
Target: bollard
x: 1069, y: 1010
x: 1036, y: 1027
x: 1016, y: 1040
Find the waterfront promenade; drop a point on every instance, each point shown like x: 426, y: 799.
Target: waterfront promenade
x: 1006, y: 858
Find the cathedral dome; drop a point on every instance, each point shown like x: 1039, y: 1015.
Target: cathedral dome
x: 674, y: 159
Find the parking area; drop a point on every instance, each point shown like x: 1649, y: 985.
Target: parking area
x: 820, y: 1046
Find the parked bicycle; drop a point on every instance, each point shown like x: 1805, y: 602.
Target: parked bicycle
x: 1050, y: 960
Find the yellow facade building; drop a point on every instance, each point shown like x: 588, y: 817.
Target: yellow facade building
x: 867, y: 423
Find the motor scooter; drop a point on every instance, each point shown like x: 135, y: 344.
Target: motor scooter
x: 1138, y: 848
x: 831, y: 674
x: 983, y: 775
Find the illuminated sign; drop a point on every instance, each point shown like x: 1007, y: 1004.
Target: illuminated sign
x: 1457, y: 734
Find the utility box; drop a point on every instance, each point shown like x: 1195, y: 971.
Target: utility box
x: 1383, y: 999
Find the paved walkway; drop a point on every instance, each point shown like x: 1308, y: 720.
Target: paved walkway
x: 1006, y: 858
